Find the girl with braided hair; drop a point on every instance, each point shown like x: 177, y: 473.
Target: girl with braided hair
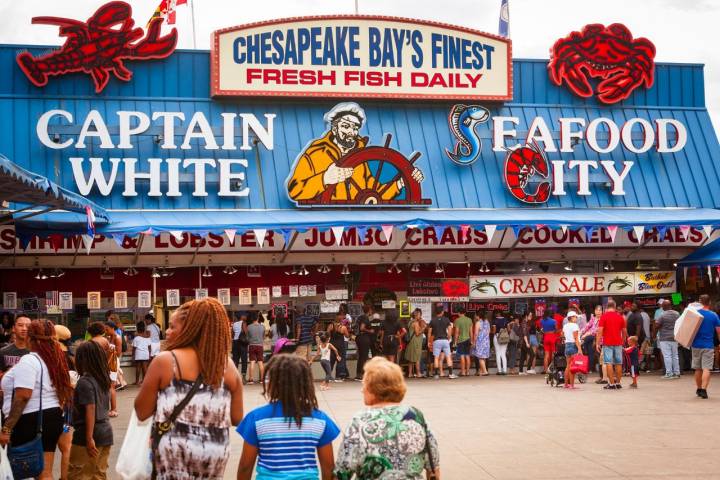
x: 197, y: 446
x: 39, y: 378
x: 93, y: 435
x: 284, y: 435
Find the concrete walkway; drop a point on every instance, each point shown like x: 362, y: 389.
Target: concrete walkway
x: 519, y: 428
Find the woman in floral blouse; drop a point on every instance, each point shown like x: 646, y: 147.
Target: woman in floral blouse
x: 387, y: 439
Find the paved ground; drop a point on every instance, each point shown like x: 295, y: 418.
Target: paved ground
x: 519, y: 428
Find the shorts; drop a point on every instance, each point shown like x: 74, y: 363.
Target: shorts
x: 390, y: 345
x: 533, y: 340
x: 549, y: 340
x: 570, y: 349
x: 255, y: 353
x: 463, y: 348
x: 441, y: 346
x: 52, y: 426
x: 702, y: 358
x: 113, y: 377
x: 154, y: 349
x: 612, y: 355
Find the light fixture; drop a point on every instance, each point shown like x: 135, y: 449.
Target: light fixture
x: 43, y: 275
x: 323, y: 269
x: 568, y: 267
x: 59, y: 272
x: 293, y: 271
x: 394, y: 269
x: 609, y: 267
x: 675, y: 264
x: 206, y: 272
x: 345, y: 270
x: 230, y: 270
x: 439, y: 268
x: 39, y: 274
x: 130, y: 272
x: 155, y: 273
x: 415, y: 268
x: 106, y: 268
x: 484, y: 268
x: 526, y: 267
x: 304, y: 271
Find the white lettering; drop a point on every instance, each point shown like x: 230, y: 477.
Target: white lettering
x: 617, y: 179
x: 499, y: 133
x: 613, y: 135
x: 558, y: 177
x: 583, y: 173
x: 647, y: 131
x: 539, y: 131
x: 662, y: 135
x: 153, y: 175
x: 101, y: 131
x: 168, y: 121
x: 199, y: 121
x: 567, y: 134
x: 264, y: 135
x: 228, y: 131
x: 42, y: 128
x: 96, y: 177
x: 199, y: 166
x: 173, y: 177
x: 226, y: 176
x: 126, y: 131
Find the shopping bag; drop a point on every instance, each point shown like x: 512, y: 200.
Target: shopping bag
x: 579, y: 363
x: 687, y: 325
x: 134, y: 461
x: 5, y: 469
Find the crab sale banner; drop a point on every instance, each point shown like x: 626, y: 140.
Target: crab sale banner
x: 573, y: 285
x: 360, y: 56
x: 423, y: 290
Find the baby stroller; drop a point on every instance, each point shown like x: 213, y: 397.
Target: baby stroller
x: 556, y: 371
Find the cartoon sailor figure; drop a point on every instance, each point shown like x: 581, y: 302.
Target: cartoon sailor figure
x: 318, y: 166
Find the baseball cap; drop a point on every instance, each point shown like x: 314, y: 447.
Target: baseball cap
x: 63, y: 334
x: 572, y: 313
x: 660, y: 301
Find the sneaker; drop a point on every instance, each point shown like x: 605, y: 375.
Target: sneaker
x: 436, y: 376
x: 339, y: 380
x: 531, y: 372
x: 703, y: 393
x: 697, y: 391
x: 452, y: 375
x: 609, y: 387
x: 618, y: 386
x: 601, y: 381
x: 522, y: 373
x: 675, y: 377
x: 357, y: 379
x: 667, y: 376
x: 633, y: 385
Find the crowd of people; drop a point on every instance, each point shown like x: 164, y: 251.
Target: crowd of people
x: 59, y: 398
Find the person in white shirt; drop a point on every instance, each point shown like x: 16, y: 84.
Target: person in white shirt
x: 571, y: 332
x: 155, y: 335
x: 142, y: 349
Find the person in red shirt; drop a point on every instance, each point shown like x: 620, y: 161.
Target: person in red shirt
x: 612, y: 330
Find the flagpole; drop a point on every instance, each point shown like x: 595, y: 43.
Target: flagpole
x: 356, y: 7
x: 192, y: 16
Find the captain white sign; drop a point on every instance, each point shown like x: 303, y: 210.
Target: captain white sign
x: 559, y: 285
x: 361, y: 56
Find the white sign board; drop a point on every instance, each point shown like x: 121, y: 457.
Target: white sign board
x: 120, y: 300
x: 245, y: 296
x: 65, y: 300
x: 173, y: 297
x: 223, y: 295
x: 144, y: 299
x: 10, y: 300
x: 263, y: 296
x: 360, y: 56
x: 571, y: 285
x: 93, y: 300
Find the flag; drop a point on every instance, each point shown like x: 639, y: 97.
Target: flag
x: 166, y: 10
x: 90, y: 221
x: 504, y: 28
x: 52, y: 298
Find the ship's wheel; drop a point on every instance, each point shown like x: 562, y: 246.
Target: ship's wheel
x: 384, y: 160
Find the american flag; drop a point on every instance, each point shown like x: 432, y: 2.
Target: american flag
x: 52, y: 298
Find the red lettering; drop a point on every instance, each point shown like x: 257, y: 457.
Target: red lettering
x: 311, y: 241
x: 411, y: 238
x: 248, y: 239
x: 543, y: 285
x: 505, y: 285
x: 518, y: 286
x: 215, y: 241
x: 160, y: 243
x: 8, y: 239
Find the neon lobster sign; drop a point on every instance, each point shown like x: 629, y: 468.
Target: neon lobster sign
x: 99, y: 46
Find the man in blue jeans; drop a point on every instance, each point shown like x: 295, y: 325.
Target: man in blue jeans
x: 440, y: 334
x: 703, y: 349
x: 612, y: 333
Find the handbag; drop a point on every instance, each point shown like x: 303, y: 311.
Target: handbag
x: 28, y: 460
x: 503, y: 337
x: 579, y: 363
x: 134, y: 462
x: 6, y: 472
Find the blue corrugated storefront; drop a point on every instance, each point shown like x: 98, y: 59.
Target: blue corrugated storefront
x: 666, y: 189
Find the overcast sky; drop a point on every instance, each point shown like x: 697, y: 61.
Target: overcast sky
x: 682, y: 30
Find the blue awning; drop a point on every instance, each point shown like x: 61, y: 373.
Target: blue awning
x: 24, y: 187
x: 707, y: 255
x: 131, y: 223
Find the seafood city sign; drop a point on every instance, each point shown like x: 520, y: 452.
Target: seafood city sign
x: 360, y: 56
x: 559, y: 285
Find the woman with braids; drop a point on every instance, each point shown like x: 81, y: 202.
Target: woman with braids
x: 284, y: 435
x: 93, y: 435
x: 197, y: 446
x: 40, y: 376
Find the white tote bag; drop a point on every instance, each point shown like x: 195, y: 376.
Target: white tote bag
x: 134, y: 462
x: 5, y: 470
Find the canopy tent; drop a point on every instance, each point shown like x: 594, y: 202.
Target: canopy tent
x: 132, y: 223
x: 30, y: 190
x: 704, y: 256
